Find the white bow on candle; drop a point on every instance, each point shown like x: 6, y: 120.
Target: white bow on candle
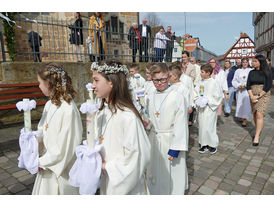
x: 90, y: 108
x: 26, y: 105
x: 202, y: 101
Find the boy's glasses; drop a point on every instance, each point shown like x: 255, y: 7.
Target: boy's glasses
x: 162, y: 80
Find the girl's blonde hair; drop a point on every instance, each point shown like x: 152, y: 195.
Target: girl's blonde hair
x: 60, y: 84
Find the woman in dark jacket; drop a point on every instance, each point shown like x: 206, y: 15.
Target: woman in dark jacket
x: 134, y: 40
x: 76, y: 36
x: 258, y: 86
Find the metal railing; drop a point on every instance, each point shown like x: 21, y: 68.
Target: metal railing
x: 55, y: 45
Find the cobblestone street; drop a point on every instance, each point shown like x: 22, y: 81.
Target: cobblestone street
x: 237, y: 168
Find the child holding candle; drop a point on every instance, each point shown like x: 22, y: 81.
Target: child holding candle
x: 208, y: 96
x: 61, y: 130
x: 118, y: 125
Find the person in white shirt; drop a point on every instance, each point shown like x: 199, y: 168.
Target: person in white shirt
x: 160, y: 45
x: 145, y: 32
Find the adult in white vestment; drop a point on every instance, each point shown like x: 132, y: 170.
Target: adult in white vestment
x: 221, y: 77
x: 61, y: 129
x: 243, y: 107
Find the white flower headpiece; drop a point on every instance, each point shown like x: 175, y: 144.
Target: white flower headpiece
x: 62, y: 72
x: 109, y: 69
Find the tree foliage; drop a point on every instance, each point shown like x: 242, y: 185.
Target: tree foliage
x: 9, y: 33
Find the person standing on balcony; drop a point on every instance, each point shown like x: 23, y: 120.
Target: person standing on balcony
x: 134, y: 40
x: 34, y: 40
x: 170, y: 44
x: 76, y: 36
x: 98, y: 36
x: 160, y: 42
x: 145, y: 32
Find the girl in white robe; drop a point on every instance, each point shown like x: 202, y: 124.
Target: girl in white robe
x: 61, y: 130
x: 207, y: 117
x: 243, y: 107
x: 167, y: 172
x: 119, y: 128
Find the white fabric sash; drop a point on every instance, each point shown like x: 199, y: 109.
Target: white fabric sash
x: 29, y: 155
x: 86, y: 171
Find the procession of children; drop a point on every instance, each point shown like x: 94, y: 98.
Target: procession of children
x: 142, y: 125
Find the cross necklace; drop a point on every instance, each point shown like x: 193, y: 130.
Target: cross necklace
x: 101, y: 138
x: 47, y: 123
x: 157, y: 113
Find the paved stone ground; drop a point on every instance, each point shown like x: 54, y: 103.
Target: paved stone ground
x: 237, y: 168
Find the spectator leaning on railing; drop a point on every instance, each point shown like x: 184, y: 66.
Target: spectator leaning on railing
x: 160, y: 45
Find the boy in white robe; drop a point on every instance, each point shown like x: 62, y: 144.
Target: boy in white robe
x: 119, y: 128
x: 175, y: 74
x: 61, y: 129
x: 136, y: 80
x: 167, y: 172
x: 209, y: 91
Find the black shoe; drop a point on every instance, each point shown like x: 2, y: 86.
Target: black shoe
x: 212, y: 150
x: 243, y: 125
x: 227, y: 114
x: 255, y: 144
x: 203, y: 149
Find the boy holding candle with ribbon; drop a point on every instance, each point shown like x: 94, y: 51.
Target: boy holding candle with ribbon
x: 118, y: 125
x: 167, y: 110
x: 208, y: 96
x: 61, y: 131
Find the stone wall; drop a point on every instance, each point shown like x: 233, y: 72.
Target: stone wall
x: 26, y: 72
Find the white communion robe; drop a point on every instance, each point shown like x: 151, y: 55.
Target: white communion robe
x: 182, y: 89
x: 221, y: 78
x: 188, y: 83
x: 170, y: 131
x: 243, y: 107
x: 207, y: 116
x: 64, y: 133
x: 126, y: 151
x: 137, y: 83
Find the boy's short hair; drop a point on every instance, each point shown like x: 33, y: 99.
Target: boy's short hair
x: 158, y: 68
x: 177, y: 63
x: 134, y: 66
x: 175, y: 69
x: 149, y: 65
x: 207, y: 68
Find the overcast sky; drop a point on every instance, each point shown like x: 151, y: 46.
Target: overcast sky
x: 216, y: 30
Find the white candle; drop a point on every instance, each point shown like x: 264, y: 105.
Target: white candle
x: 27, y: 118
x: 90, y: 127
x: 91, y: 96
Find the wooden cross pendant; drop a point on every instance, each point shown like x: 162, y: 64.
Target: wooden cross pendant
x: 47, y: 126
x: 157, y: 114
x: 101, y: 138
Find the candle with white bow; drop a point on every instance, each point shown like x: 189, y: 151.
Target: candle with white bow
x: 27, y: 106
x: 27, y: 117
x: 90, y: 108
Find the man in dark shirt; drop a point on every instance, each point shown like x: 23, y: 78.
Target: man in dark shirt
x: 34, y: 40
x: 169, y: 44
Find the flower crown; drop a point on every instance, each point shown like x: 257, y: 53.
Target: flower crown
x: 109, y: 69
x: 62, y: 72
